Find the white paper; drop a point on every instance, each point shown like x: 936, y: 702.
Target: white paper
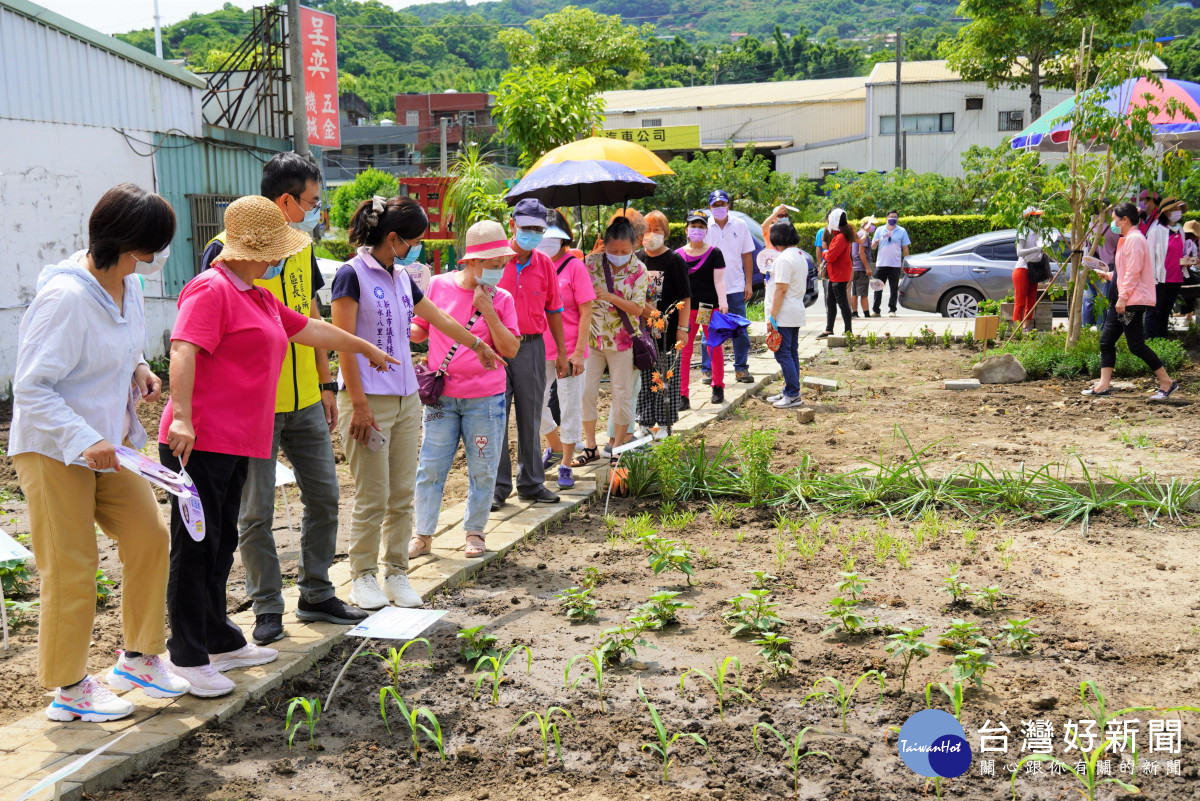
x: 11, y: 549
x: 283, y: 475
x: 628, y: 446
x: 394, y: 623
x: 60, y: 775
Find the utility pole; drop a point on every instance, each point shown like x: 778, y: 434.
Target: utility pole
x: 899, y: 120
x: 157, y: 32
x: 444, y: 122
x: 296, y: 68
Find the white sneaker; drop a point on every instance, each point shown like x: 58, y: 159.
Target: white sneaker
x: 401, y: 593
x: 205, y: 680
x: 661, y: 433
x: 366, y: 594
x: 149, y: 673
x: 775, y: 398
x: 786, y: 403
x: 89, y: 700
x: 248, y: 655
x: 891, y: 314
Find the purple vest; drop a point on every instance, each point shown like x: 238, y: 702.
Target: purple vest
x: 385, y: 314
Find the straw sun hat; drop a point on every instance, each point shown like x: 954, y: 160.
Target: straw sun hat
x: 486, y: 239
x: 256, y: 230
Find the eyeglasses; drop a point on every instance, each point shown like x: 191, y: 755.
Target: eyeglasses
x: 532, y: 229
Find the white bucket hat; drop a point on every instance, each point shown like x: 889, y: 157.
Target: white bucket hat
x: 486, y: 239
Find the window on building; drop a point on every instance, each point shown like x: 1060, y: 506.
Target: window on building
x: 918, y: 124
x: 652, y: 123
x: 412, y: 118
x: 466, y: 117
x: 1012, y: 120
x: 974, y: 103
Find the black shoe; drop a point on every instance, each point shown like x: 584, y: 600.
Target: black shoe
x: 496, y: 505
x: 684, y: 403
x: 718, y: 395
x: 268, y: 628
x: 744, y: 377
x: 542, y: 495
x: 707, y: 378
x: 855, y: 314
x: 331, y: 610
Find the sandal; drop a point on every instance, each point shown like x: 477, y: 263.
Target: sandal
x: 1163, y: 394
x: 585, y: 456
x: 419, y: 545
x: 475, y: 546
x: 1097, y: 393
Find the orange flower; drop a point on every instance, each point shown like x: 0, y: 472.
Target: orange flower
x: 679, y: 344
x: 656, y: 376
x: 679, y: 306
x: 670, y: 374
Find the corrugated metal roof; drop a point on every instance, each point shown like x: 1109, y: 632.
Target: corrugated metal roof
x: 938, y: 71
x: 48, y: 74
x: 93, y: 37
x: 774, y: 93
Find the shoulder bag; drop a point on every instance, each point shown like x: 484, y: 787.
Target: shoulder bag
x: 430, y: 383
x: 645, y: 353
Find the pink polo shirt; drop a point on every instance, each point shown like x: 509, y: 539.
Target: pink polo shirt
x: 574, y: 287
x: 466, y: 377
x: 534, y: 288
x: 242, y: 332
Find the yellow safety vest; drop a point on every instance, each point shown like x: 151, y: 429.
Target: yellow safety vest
x: 299, y: 385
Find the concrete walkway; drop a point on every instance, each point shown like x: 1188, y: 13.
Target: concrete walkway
x: 34, y: 747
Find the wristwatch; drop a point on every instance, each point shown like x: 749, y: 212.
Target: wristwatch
x: 478, y: 342
x: 330, y: 386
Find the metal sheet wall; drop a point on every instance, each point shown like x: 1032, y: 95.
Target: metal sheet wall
x: 46, y: 75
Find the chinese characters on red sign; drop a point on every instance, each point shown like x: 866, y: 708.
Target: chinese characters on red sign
x: 318, y: 38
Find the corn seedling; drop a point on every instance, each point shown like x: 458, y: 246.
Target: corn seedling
x: 962, y: 635
x: 957, y: 588
x: 842, y: 697
x: 595, y: 658
x: 576, y: 603
x: 475, y: 644
x: 971, y: 665
x: 665, y: 740
x: 792, y: 755
x: 496, y: 671
x: 722, y: 514
x: 726, y: 680
x: 752, y: 613
x: 623, y: 640
x: 845, y: 617
x: 311, y: 707
x: 667, y: 555
x: 954, y: 692
x: 990, y: 596
x: 851, y: 585
x: 546, y: 729
x: 661, y: 608
x: 762, y: 578
x: 775, y: 652
x: 906, y: 645
x: 393, y: 660
x: 1017, y: 635
x: 410, y: 719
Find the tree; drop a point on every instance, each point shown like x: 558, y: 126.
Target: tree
x: 907, y: 190
x: 1023, y: 42
x: 754, y: 187
x: 539, y: 108
x: 580, y: 39
x: 477, y: 192
x: 368, y: 183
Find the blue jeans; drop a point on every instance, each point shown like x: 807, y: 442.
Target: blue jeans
x: 741, y: 340
x: 788, y: 357
x: 479, y: 424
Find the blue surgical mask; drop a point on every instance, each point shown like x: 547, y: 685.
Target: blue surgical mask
x: 274, y: 270
x: 414, y: 253
x: 528, y: 240
x: 491, y: 276
x: 312, y: 219
x: 618, y: 261
x: 1112, y: 226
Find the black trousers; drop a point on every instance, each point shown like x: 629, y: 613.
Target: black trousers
x: 1158, y: 318
x: 891, y: 275
x: 196, y: 599
x: 1133, y: 331
x: 836, y: 298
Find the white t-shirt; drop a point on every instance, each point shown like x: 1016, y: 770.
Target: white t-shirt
x: 733, y: 240
x: 790, y: 268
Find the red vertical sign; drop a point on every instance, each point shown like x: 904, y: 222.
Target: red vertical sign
x: 318, y: 38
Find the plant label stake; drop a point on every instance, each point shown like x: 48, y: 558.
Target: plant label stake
x: 9, y: 549
x: 59, y: 776
x: 617, y: 452
x: 389, y: 623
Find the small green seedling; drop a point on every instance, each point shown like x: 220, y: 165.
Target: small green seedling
x: 907, y: 645
x: 679, y: 521
x: 624, y: 640
x: 726, y: 680
x: 971, y: 665
x: 775, y: 652
x: 393, y: 660
x: 311, y: 707
x: 957, y: 588
x: 496, y: 671
x: 752, y: 613
x: 475, y: 644
x: 595, y: 658
x: 546, y: 729
x: 104, y: 587
x: 410, y: 719
x: 577, y: 603
x: 841, y: 697
x: 665, y: 740
x: 781, y: 552
x: 851, y: 585
x: 844, y: 614
x: 954, y: 692
x: 762, y: 578
x: 1017, y: 635
x: 792, y: 755
x: 722, y: 515
x: 808, y: 547
x: 962, y: 635
x: 989, y: 597
x: 591, y: 578
x: 661, y: 609
x: 667, y: 554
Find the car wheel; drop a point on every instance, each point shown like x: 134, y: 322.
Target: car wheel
x: 962, y: 302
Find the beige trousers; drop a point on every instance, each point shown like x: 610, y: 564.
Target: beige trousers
x: 65, y: 503
x: 384, y: 483
x: 620, y: 382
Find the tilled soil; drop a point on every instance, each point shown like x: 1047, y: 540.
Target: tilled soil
x: 1118, y: 607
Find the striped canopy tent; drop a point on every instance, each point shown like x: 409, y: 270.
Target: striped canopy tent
x: 1049, y: 133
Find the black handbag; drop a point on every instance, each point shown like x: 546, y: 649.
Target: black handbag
x: 1038, y: 269
x: 430, y: 383
x: 645, y: 352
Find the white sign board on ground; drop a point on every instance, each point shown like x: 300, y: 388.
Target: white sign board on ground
x: 394, y: 623
x: 11, y: 549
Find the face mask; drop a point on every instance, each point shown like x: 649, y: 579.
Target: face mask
x: 1175, y: 217
x: 549, y: 246
x: 719, y: 212
x: 274, y: 270
x: 491, y: 276
x: 1141, y: 205
x: 312, y: 218
x: 618, y: 261
x: 414, y: 253
x: 1116, y: 229
x: 697, y: 234
x: 154, y: 265
x: 892, y: 221
x: 653, y: 241
x: 528, y: 240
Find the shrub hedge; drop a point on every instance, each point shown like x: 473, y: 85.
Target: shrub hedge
x: 927, y: 232
x: 1044, y: 355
